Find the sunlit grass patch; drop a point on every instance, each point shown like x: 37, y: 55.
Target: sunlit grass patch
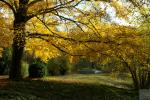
x: 105, y: 79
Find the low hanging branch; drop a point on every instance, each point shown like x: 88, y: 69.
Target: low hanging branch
x: 36, y: 35
x: 58, y: 47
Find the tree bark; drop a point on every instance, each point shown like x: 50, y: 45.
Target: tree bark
x: 17, y: 53
x: 18, y: 40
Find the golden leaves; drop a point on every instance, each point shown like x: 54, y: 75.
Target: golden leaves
x: 122, y: 10
x: 5, y: 33
x: 41, y: 49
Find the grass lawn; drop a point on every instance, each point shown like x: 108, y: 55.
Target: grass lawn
x: 105, y: 79
x: 71, y: 87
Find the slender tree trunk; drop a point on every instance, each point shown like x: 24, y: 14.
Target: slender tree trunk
x: 133, y: 75
x: 148, y: 80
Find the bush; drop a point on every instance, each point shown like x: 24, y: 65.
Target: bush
x: 37, y: 70
x: 85, y: 63
x: 5, y: 61
x: 64, y: 67
x: 2, y: 67
x: 52, y: 67
x: 59, y: 66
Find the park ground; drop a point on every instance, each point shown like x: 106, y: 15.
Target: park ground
x: 69, y: 87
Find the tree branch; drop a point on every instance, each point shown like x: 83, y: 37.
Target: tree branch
x: 55, y: 8
x: 33, y: 2
x: 9, y: 5
x: 38, y: 35
x: 58, y: 47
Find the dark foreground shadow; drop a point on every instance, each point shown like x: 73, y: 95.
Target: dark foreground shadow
x: 4, y: 82
x: 57, y: 90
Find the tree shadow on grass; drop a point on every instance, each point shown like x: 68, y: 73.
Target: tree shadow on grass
x: 59, y: 90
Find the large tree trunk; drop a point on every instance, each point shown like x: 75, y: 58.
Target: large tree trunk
x: 17, y: 53
x: 19, y: 40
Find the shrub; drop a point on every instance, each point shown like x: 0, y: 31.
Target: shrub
x: 2, y: 67
x: 63, y: 67
x: 52, y: 67
x: 59, y: 66
x: 85, y: 63
x: 5, y: 61
x: 37, y: 70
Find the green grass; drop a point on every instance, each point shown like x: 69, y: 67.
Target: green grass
x: 105, y: 79
x: 72, y: 87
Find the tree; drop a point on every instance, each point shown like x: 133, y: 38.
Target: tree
x: 25, y: 11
